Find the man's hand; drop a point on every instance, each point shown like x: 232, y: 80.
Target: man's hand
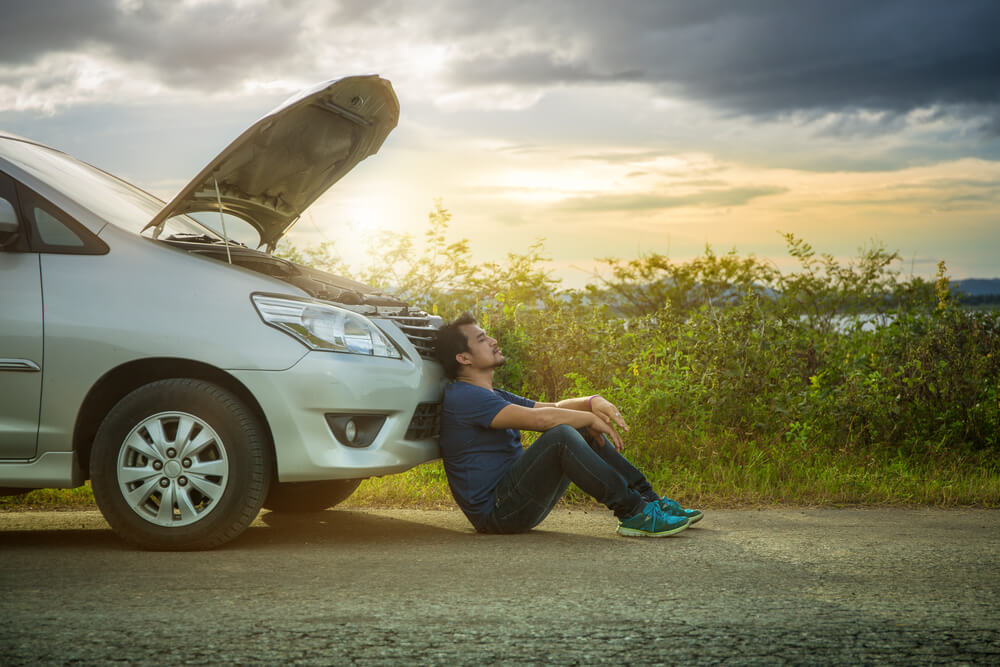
x: 607, y: 412
x: 599, y: 427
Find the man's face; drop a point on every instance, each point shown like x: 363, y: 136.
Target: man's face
x: 483, y: 351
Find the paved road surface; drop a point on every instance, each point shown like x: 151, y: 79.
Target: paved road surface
x: 884, y: 586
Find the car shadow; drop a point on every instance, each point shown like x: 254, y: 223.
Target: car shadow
x: 351, y: 527
x: 57, y: 538
x: 336, y: 528
x: 347, y: 527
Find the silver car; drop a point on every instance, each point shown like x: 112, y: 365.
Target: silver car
x: 190, y: 378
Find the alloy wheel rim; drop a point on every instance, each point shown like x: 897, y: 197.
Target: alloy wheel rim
x: 172, y: 469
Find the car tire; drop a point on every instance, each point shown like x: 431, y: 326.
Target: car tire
x: 180, y: 464
x: 292, y: 497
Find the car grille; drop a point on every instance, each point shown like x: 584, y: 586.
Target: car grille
x: 426, y: 422
x: 416, y: 325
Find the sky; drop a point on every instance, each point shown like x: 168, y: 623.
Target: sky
x: 608, y: 129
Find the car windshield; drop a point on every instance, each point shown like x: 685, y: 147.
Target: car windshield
x: 107, y: 197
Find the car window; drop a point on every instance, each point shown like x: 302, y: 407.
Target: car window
x: 11, y: 238
x: 7, y: 214
x: 54, y: 233
x: 51, y: 230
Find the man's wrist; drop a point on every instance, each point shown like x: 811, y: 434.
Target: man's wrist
x: 590, y: 402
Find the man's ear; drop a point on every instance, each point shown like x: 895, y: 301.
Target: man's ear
x: 463, y: 359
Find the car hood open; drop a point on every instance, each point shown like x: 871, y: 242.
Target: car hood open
x: 282, y: 163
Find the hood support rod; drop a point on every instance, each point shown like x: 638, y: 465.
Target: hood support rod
x: 222, y: 218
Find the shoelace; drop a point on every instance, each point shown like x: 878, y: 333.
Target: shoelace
x: 656, y: 514
x: 672, y: 504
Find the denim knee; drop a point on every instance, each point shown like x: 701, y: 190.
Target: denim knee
x: 558, y: 437
x: 565, y: 432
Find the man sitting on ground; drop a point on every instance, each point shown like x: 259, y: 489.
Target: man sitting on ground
x: 503, y: 488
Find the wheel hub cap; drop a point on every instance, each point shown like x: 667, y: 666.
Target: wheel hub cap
x: 172, y: 469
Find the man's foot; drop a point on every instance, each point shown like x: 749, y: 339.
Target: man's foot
x: 652, y: 522
x: 673, y: 508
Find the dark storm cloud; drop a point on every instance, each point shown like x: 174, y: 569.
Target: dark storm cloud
x: 201, y: 43
x: 200, y: 46
x: 31, y: 29
x: 760, y: 57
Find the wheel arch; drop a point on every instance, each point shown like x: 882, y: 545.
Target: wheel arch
x: 118, y: 382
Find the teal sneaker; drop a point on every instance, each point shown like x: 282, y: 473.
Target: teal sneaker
x: 652, y: 522
x: 673, y: 508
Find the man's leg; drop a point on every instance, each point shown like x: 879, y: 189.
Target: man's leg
x: 635, y: 479
x: 638, y: 482
x: 534, y: 484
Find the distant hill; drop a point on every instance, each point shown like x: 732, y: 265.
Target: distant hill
x: 977, y: 286
x: 978, y: 292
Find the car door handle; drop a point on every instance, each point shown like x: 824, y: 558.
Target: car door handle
x: 19, y: 365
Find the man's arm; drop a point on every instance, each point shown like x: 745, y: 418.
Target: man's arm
x: 596, y: 404
x: 549, y: 416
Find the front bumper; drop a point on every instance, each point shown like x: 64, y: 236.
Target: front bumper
x: 295, y: 402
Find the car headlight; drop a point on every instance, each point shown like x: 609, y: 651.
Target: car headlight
x: 321, y: 326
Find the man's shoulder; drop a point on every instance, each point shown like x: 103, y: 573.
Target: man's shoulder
x: 463, y: 398
x: 458, y: 390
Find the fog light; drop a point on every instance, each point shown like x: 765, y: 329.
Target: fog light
x: 355, y: 430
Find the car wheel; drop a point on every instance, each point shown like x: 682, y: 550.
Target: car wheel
x: 309, y: 496
x: 180, y: 464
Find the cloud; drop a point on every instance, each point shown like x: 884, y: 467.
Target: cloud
x: 194, y: 46
x: 32, y: 29
x: 650, y: 202
x: 534, y: 68
x: 758, y: 57
x: 617, y: 157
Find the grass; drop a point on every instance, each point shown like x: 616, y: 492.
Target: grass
x: 79, y: 498
x: 716, y: 473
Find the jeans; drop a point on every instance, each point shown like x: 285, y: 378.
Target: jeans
x: 539, y: 478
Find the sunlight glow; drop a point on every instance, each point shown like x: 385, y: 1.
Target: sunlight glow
x: 426, y: 59
x: 357, y: 216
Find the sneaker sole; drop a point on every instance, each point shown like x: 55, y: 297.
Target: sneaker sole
x: 692, y: 521
x: 632, y: 532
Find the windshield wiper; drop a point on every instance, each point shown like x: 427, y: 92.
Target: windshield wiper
x: 190, y: 237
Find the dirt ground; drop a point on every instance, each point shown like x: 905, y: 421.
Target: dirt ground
x: 793, y: 586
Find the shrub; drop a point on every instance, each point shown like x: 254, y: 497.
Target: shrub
x: 726, y: 347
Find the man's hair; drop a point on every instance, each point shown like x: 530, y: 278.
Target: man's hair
x: 451, y: 342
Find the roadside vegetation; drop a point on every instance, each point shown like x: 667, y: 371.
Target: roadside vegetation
x: 835, y: 383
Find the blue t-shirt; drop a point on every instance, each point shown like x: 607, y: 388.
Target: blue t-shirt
x: 476, y: 456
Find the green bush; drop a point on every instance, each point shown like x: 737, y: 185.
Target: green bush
x: 834, y: 381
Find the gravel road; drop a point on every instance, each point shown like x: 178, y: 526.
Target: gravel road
x: 809, y: 586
